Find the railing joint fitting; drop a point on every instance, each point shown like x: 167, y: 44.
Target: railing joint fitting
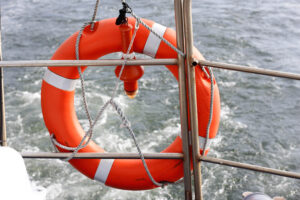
x: 194, y: 62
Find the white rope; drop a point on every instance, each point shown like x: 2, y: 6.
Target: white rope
x: 126, y: 124
x: 129, y: 10
x: 126, y: 56
x: 125, y: 121
x: 94, y: 15
x: 205, y: 72
x: 156, y: 34
x: 89, y: 133
x: 210, y: 108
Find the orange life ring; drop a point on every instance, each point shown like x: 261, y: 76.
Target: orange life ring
x: 57, y: 99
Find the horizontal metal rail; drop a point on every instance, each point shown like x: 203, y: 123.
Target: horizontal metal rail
x: 49, y: 155
x: 253, y: 70
x: 115, y: 62
x: 71, y: 63
x: 250, y: 167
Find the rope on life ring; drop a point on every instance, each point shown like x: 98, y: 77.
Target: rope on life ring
x: 57, y: 98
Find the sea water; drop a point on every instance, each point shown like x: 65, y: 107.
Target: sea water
x: 259, y: 115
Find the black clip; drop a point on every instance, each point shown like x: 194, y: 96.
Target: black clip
x: 122, y: 19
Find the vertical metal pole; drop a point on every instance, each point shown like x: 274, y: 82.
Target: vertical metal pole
x: 2, y: 107
x: 183, y: 100
x: 188, y: 28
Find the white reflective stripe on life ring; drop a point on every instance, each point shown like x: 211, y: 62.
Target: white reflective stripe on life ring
x: 153, y: 42
x: 59, y: 81
x: 103, y: 170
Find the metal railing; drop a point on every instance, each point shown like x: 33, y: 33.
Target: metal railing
x: 50, y: 155
x: 186, y: 65
x: 90, y: 63
x: 178, y: 7
x: 2, y: 104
